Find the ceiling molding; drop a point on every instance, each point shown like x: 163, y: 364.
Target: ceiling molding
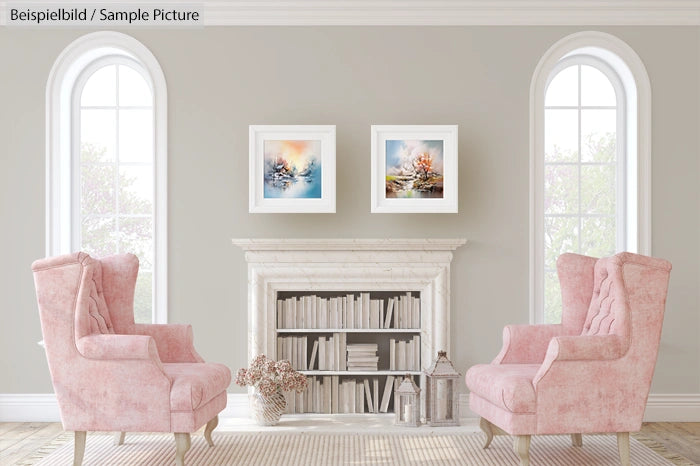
x: 453, y: 12
x: 429, y: 12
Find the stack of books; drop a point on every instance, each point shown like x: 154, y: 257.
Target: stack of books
x: 293, y: 349
x: 350, y: 311
x: 362, y: 356
x: 331, y: 395
x: 404, y: 354
x: 330, y: 352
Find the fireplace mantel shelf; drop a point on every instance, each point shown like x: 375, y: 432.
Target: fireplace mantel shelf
x: 356, y: 244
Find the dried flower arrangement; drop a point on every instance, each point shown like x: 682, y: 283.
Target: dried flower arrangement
x: 270, y: 376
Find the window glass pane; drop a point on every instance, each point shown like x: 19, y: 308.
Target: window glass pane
x: 561, y: 135
x: 561, y: 189
x: 98, y: 128
x: 598, y: 135
x: 136, y: 136
x: 598, y: 189
x: 580, y: 188
x: 98, y: 237
x: 563, y: 88
x: 100, y: 88
x: 133, y: 89
x: 136, y: 237
x: 116, y: 172
x: 560, y: 236
x: 596, y: 88
x: 143, y: 297
x: 598, y: 236
x: 96, y: 187
x: 552, y: 297
x: 136, y: 189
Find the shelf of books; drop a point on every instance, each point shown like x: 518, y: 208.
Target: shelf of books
x: 353, y: 347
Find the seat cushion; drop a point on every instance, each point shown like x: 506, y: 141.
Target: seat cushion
x: 508, y: 386
x: 195, y: 384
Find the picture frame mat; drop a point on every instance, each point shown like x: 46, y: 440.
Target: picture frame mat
x: 258, y: 134
x: 382, y: 133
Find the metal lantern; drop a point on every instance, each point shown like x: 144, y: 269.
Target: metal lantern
x: 441, y: 397
x: 407, y: 403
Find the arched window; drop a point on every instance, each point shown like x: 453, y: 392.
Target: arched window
x: 590, y: 100
x: 106, y: 158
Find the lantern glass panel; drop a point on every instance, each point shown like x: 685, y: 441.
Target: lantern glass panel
x: 405, y: 408
x: 445, y: 395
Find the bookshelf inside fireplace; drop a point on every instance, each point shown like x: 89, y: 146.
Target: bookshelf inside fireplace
x: 380, y: 321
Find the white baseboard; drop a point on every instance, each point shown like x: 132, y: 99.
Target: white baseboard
x: 42, y: 407
x: 33, y: 407
x: 237, y: 406
x: 673, y: 407
x: 464, y: 412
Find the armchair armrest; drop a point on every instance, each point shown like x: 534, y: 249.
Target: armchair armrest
x: 586, y: 347
x: 114, y: 372
x: 526, y: 344
x: 175, y: 342
x: 579, y: 354
x: 118, y: 347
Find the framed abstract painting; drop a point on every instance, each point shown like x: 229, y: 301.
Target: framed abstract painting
x: 292, y: 168
x: 414, y: 168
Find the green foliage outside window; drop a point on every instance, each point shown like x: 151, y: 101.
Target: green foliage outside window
x: 115, y: 219
x: 580, y: 210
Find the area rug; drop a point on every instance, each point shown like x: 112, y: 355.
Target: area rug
x: 307, y: 449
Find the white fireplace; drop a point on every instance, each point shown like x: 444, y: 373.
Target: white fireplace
x: 347, y: 265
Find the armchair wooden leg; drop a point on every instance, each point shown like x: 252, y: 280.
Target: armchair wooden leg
x: 623, y: 447
x: 211, y: 425
x: 487, y: 428
x: 119, y: 438
x: 182, y: 444
x: 79, y: 447
x: 521, y: 445
x: 577, y: 440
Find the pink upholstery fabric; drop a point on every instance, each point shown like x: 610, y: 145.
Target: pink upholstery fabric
x: 195, y: 384
x: 174, y: 341
x: 107, y: 372
x: 186, y: 422
x: 513, y: 423
x: 526, y: 344
x: 576, y: 281
x: 90, y: 297
x: 508, y: 386
x: 119, y: 273
x: 607, y: 312
x: 117, y: 347
x: 595, y: 371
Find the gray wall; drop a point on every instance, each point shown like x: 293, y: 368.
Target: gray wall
x: 220, y: 80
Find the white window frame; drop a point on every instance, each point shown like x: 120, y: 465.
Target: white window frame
x: 623, y: 62
x: 61, y: 142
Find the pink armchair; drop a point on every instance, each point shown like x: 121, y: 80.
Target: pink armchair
x: 110, y: 374
x: 592, y: 372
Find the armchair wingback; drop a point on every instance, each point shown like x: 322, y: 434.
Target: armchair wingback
x: 592, y: 372
x: 111, y: 374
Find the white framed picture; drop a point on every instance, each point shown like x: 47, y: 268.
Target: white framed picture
x: 292, y: 168
x: 414, y: 168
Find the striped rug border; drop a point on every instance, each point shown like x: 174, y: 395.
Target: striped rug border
x: 336, y: 449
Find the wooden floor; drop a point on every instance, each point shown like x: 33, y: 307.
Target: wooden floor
x: 680, y: 438
x: 19, y: 441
